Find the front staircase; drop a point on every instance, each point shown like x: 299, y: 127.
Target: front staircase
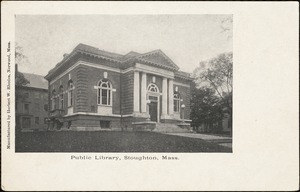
x: 169, y: 128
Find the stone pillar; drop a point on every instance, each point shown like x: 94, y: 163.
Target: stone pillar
x: 136, y: 92
x: 143, y: 93
x: 171, y: 97
x: 164, y: 105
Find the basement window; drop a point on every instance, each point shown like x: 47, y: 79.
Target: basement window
x: 105, y: 124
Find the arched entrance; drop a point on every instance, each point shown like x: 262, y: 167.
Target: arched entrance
x: 153, y: 97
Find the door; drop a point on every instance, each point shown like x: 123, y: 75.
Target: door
x: 153, y: 111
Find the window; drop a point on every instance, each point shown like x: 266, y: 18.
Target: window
x: 37, y: 120
x: 70, y: 93
x: 176, y: 102
x: 26, y: 95
x: 26, y: 123
x: 104, y: 93
x: 104, y: 124
x: 37, y: 95
x: 45, y: 97
x: 153, y: 88
x: 46, y: 107
x: 45, y: 120
x: 53, y: 100
x: 61, y: 97
x: 36, y: 107
x: 26, y: 108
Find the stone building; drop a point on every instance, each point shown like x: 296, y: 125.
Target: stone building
x: 95, y: 89
x: 32, y: 104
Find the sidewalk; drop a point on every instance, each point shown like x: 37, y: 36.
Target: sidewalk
x: 220, y: 140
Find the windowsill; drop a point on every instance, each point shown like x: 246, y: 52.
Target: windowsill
x: 104, y: 105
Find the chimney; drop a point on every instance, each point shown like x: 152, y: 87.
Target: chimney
x: 66, y: 54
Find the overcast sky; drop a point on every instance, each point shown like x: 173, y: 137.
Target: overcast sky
x: 186, y: 39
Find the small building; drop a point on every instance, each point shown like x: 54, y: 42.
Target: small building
x: 32, y: 104
x: 95, y: 89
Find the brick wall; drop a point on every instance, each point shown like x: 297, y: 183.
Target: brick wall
x: 185, y: 94
x: 63, y: 81
x: 127, y: 93
x: 81, y: 90
x: 94, y: 75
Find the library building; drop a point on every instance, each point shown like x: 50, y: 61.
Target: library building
x: 92, y: 89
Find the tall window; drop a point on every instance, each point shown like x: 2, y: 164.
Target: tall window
x: 104, y: 93
x: 26, y: 108
x: 37, y: 107
x: 70, y: 93
x: 176, y: 102
x: 26, y: 122
x: 46, y: 107
x: 37, y: 120
x: 61, y: 97
x: 53, y: 100
x: 26, y: 95
x: 37, y: 95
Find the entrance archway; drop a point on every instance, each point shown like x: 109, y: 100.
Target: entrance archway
x: 153, y: 96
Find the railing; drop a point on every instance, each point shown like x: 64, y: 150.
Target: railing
x: 57, y: 113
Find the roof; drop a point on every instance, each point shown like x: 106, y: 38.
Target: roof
x: 183, y: 74
x: 156, y: 57
x: 36, y: 81
x: 131, y: 54
x: 159, y: 58
x: 94, y: 50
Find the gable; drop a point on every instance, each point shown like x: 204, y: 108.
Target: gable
x: 158, y: 58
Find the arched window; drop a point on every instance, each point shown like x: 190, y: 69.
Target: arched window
x: 53, y: 100
x: 61, y: 97
x: 153, y: 88
x: 104, y: 93
x: 70, y: 93
x: 176, y: 102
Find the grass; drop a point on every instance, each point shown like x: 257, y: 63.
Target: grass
x: 111, y: 141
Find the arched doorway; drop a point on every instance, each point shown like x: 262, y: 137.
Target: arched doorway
x: 153, y: 97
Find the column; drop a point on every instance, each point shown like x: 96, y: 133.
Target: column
x: 171, y: 97
x: 143, y: 93
x: 136, y: 92
x: 164, y: 105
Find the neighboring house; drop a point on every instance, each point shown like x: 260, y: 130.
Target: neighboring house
x: 32, y: 106
x: 95, y: 89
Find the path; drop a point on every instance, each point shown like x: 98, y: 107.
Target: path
x: 220, y: 140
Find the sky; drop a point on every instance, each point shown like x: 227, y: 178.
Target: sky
x: 186, y: 39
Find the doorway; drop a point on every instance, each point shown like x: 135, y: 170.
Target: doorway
x: 153, y: 111
x: 153, y: 108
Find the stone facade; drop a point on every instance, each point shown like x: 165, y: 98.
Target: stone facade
x: 91, y: 89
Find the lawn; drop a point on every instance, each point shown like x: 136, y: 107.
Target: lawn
x: 111, y: 141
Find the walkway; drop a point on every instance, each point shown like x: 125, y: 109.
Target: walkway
x: 220, y: 140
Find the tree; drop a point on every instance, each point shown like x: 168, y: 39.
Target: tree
x: 205, y: 109
x: 216, y: 74
x: 20, y: 80
x: 226, y: 26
